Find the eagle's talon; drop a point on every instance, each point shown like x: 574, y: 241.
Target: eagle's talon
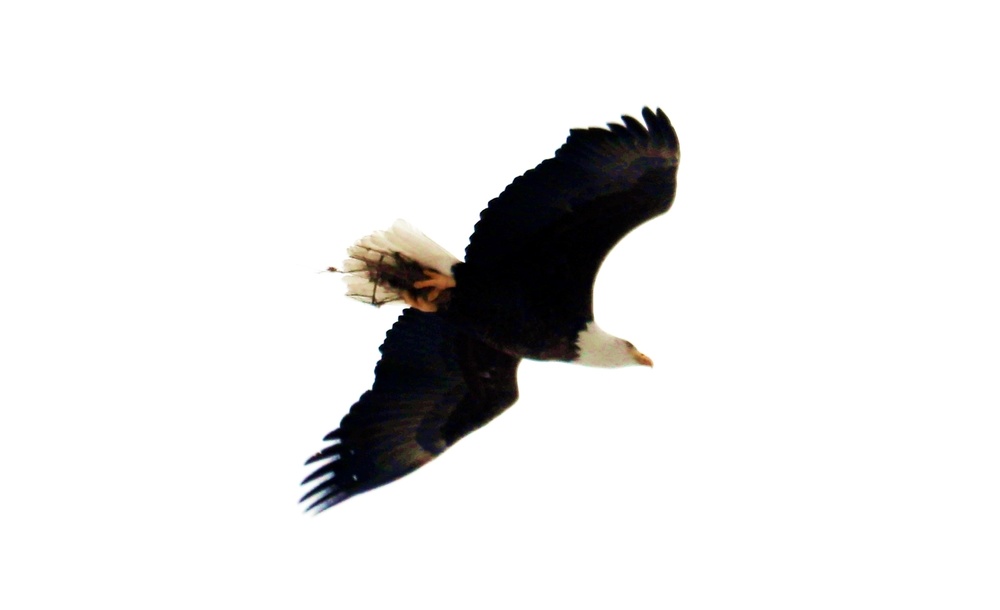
x: 438, y: 281
x: 419, y: 302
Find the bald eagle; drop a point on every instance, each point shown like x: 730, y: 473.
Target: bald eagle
x: 449, y: 363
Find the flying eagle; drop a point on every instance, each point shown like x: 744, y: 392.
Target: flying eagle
x: 449, y: 363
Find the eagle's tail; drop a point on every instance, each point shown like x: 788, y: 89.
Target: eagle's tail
x: 383, y: 266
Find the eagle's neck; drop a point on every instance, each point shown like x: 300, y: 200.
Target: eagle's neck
x: 598, y: 348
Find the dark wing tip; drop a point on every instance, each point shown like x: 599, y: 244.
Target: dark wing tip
x: 637, y: 129
x: 333, y: 482
x: 330, y: 497
x: 327, y: 452
x: 322, y: 471
x: 660, y: 128
x: 631, y: 134
x: 327, y: 489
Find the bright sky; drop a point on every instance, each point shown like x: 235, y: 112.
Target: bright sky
x: 820, y: 430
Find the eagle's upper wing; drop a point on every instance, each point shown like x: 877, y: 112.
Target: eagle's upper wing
x: 433, y: 385
x: 557, y: 222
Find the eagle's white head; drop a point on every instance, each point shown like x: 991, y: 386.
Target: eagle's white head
x: 598, y: 348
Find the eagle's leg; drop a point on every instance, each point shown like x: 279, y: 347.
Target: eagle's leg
x: 417, y: 302
x: 437, y: 282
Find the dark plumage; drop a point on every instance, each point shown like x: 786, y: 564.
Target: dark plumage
x: 524, y: 291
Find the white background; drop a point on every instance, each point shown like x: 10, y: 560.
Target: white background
x: 820, y: 430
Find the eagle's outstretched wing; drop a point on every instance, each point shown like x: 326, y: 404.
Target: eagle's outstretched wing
x: 556, y: 223
x: 433, y: 385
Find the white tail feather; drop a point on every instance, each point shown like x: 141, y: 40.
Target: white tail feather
x: 372, y: 259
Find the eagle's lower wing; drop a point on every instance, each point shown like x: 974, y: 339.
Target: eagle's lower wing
x: 557, y: 222
x: 433, y: 385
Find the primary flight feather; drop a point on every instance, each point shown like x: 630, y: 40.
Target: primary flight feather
x: 449, y: 363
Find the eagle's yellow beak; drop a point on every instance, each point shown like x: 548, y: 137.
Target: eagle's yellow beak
x: 643, y: 359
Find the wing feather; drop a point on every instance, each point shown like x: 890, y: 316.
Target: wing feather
x: 556, y: 223
x: 433, y: 385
